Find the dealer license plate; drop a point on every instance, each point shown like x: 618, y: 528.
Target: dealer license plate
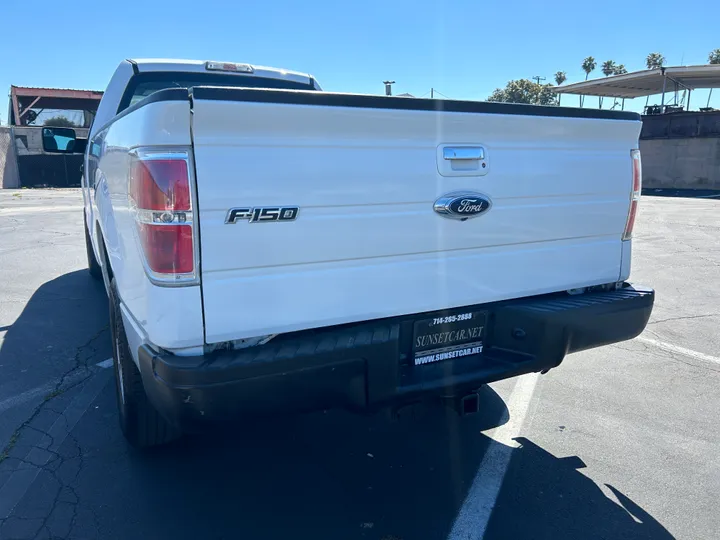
x: 448, y: 337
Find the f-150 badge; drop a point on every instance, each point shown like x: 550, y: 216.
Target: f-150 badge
x: 262, y: 214
x: 462, y: 205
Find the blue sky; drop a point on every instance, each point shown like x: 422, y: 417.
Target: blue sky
x: 464, y: 49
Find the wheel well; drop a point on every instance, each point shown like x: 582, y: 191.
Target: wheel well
x: 103, y: 252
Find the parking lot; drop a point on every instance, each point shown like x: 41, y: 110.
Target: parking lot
x: 618, y: 442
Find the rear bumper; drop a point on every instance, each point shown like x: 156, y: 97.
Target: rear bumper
x: 369, y: 365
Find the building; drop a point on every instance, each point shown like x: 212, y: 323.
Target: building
x: 23, y: 161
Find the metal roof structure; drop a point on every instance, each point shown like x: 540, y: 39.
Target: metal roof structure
x: 56, y: 92
x: 23, y: 99
x: 647, y: 82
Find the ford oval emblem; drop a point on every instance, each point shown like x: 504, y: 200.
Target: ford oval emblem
x: 462, y: 205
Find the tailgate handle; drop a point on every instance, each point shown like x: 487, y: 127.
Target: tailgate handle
x: 464, y: 152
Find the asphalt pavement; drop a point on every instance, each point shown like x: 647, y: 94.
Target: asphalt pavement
x: 618, y: 442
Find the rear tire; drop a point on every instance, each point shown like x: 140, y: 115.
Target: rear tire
x: 93, y: 265
x: 141, y: 424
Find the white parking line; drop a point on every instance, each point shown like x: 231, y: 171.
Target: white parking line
x: 473, y: 518
x: 105, y: 363
x: 35, y: 209
x: 26, y: 396
x: 38, y: 391
x: 679, y: 350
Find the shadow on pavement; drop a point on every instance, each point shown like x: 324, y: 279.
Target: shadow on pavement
x: 336, y: 476
x: 62, y: 327
x: 328, y: 475
x: 544, y: 496
x: 332, y: 475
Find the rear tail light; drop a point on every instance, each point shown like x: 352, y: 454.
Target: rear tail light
x: 159, y: 193
x: 634, y: 194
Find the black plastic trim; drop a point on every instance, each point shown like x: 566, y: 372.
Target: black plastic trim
x: 368, y: 365
x: 135, y: 68
x: 329, y: 99
x: 213, y: 79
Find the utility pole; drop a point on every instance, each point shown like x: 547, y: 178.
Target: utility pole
x: 538, y: 78
x: 388, y: 87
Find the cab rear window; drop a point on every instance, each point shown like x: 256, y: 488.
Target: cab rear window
x: 143, y: 85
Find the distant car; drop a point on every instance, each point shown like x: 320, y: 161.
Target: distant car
x: 271, y: 247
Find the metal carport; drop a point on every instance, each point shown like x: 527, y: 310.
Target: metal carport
x: 647, y: 82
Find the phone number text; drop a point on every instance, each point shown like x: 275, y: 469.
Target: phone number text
x: 451, y: 319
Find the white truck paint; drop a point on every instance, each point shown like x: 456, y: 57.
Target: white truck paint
x: 367, y: 246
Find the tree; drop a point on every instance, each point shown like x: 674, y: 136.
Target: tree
x: 60, y: 121
x: 560, y: 77
x: 620, y: 70
x: 654, y: 60
x: 608, y: 68
x: 713, y: 58
x: 524, y: 91
x: 588, y: 65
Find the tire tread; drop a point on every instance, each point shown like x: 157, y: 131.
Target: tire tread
x: 93, y: 265
x: 141, y: 423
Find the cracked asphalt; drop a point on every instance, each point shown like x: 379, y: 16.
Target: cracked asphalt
x: 619, y: 442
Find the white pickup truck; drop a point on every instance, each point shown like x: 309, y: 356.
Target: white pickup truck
x: 271, y: 247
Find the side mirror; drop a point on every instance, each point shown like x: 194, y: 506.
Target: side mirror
x: 60, y: 140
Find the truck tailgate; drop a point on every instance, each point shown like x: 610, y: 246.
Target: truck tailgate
x: 365, y: 173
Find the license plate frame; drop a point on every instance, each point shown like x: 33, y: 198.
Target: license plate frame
x: 448, y: 336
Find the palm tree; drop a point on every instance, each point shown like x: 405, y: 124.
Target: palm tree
x: 620, y: 70
x: 608, y: 68
x: 588, y: 66
x: 713, y: 58
x: 654, y: 60
x: 560, y: 77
